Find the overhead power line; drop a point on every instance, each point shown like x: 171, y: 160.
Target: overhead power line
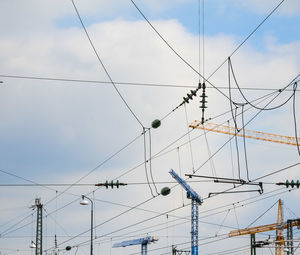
x: 119, y: 215
x: 186, y: 62
x: 136, y: 84
x: 140, y: 123
x: 153, y: 217
x: 95, y: 168
x: 248, y: 37
x: 83, y: 184
x: 102, y: 64
x: 91, y: 192
x: 173, y: 49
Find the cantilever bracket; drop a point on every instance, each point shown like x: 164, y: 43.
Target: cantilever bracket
x: 230, y: 181
x: 232, y: 192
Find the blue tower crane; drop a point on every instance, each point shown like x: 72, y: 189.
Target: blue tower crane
x: 196, y: 200
x: 141, y: 241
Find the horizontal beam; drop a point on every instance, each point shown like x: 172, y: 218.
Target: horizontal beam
x: 259, y: 229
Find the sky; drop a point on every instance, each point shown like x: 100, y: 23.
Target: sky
x: 64, y: 122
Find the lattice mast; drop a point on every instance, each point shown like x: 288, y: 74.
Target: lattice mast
x: 39, y: 227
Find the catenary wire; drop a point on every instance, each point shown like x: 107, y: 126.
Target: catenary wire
x: 90, y: 40
x: 224, y: 113
x: 226, y: 234
x: 102, y: 64
x: 262, y: 215
x: 24, y: 179
x: 244, y: 143
x: 294, y: 116
x: 138, y: 84
x: 173, y: 50
x: 174, y: 210
x: 69, y: 203
x: 248, y: 37
x: 145, y: 162
x: 258, y: 108
x: 181, y: 137
x: 208, y: 210
x: 150, y: 161
x: 189, y: 139
x: 261, y: 177
x: 242, y: 127
x: 98, y: 166
x: 66, y: 205
x: 186, y: 62
x: 253, y: 32
x: 90, y: 184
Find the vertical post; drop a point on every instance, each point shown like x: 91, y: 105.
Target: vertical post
x: 196, y: 227
x: 253, y: 247
x: 192, y: 227
x: 92, y: 230
x: 290, y: 243
x: 55, y: 244
x: 173, y: 250
x: 144, y: 249
x: 85, y: 202
x: 194, y: 232
x: 39, y: 227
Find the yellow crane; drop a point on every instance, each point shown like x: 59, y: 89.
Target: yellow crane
x: 246, y: 133
x: 279, y: 227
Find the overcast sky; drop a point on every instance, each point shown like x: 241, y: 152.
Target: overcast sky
x: 58, y: 131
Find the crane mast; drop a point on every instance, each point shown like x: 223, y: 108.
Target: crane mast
x: 196, y: 201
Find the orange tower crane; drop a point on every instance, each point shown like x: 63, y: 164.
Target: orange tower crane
x: 246, y: 133
x: 279, y: 227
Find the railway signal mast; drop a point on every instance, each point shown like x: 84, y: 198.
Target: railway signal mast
x: 196, y: 201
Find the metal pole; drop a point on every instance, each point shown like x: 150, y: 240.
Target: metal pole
x: 39, y: 227
x: 173, y: 250
x: 92, y: 226
x: 194, y: 232
x: 92, y: 220
x: 253, y: 248
x: 144, y: 249
x: 290, y: 237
